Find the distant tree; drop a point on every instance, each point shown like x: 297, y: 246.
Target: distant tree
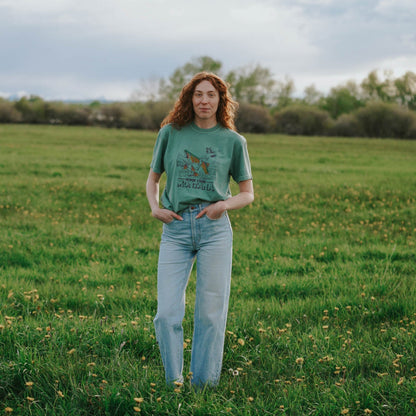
x: 406, y: 90
x: 283, y: 94
x: 252, y: 85
x: 342, y: 100
x: 149, y: 90
x: 312, y: 95
x: 95, y: 104
x: 169, y: 90
x: 376, y: 89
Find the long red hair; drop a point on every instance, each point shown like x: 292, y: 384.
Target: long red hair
x: 182, y: 112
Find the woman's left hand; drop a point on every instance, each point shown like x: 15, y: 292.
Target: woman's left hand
x: 213, y: 211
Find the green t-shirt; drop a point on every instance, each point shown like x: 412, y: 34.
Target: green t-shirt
x: 199, y: 163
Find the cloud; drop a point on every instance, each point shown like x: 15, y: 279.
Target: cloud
x: 353, y: 35
x: 76, y: 87
x: 68, y: 47
x: 397, y: 9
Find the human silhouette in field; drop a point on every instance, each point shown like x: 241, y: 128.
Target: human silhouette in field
x: 199, y: 150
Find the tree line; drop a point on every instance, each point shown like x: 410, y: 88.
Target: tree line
x: 376, y: 107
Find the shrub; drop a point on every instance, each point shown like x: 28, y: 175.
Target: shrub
x: 411, y: 133
x: 386, y: 120
x: 111, y: 115
x: 146, y: 116
x: 69, y: 114
x: 9, y: 114
x: 34, y: 110
x: 76, y: 116
x: 253, y: 119
x: 346, y: 125
x: 158, y: 110
x: 137, y: 117
x: 302, y: 120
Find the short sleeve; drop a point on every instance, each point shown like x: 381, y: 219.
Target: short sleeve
x: 240, y: 169
x: 159, y: 150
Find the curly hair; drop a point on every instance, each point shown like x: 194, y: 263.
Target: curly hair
x: 183, y: 113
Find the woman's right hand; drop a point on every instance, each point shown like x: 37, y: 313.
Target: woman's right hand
x: 165, y: 215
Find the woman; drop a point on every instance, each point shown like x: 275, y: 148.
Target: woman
x: 199, y: 150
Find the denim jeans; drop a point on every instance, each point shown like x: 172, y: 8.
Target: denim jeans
x: 210, y: 243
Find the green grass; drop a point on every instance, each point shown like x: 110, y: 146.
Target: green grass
x: 323, y: 304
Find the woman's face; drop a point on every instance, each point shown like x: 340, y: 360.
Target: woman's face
x: 205, y: 102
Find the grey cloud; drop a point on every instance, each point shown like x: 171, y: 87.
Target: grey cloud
x: 94, y: 45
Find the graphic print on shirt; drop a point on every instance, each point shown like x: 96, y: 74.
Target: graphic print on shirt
x: 197, y: 171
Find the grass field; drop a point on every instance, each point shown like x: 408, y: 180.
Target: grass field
x: 322, y: 317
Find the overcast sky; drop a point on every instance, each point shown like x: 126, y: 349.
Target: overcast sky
x: 87, y: 49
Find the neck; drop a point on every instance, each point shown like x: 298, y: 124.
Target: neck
x: 205, y: 124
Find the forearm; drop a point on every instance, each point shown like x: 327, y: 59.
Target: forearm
x: 239, y: 201
x: 243, y: 198
x: 152, y: 192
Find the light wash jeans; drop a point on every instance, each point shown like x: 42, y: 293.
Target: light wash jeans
x: 210, y: 243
